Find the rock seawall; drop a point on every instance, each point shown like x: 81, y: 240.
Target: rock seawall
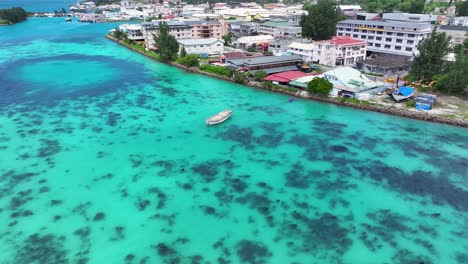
x: 375, y: 108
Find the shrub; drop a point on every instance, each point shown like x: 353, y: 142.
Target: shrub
x: 259, y: 75
x: 190, y: 60
x: 216, y: 70
x: 239, y: 77
x: 319, y: 86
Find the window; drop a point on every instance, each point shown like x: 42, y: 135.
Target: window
x: 218, y: 45
x: 379, y: 33
x: 348, y: 29
x: 340, y: 34
x: 370, y: 44
x: 409, y: 41
x: 364, y: 31
x: 356, y: 30
x: 370, y: 37
x: 377, y: 45
x: 400, y: 34
x: 389, y: 33
x: 355, y: 36
x: 409, y: 49
x: 378, y: 38
x: 388, y: 40
x: 363, y: 37
x: 399, y: 41
x: 387, y: 46
x: 411, y: 35
x: 398, y: 47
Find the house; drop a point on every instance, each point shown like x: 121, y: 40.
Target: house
x: 269, y: 64
x: 303, y: 81
x: 201, y: 46
x: 389, y: 38
x: 460, y: 21
x: 281, y: 28
x: 305, y: 50
x: 284, y: 77
x: 350, y: 82
x: 250, y: 41
x: 340, y: 50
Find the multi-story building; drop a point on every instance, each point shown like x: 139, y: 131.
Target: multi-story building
x: 208, y: 29
x: 305, y: 50
x: 280, y: 29
x: 340, y: 50
x: 185, y: 30
x: 460, y: 21
x: 386, y: 38
x: 178, y: 29
x: 407, y: 17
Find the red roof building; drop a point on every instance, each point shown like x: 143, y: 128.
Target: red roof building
x: 285, y: 77
x: 339, y: 50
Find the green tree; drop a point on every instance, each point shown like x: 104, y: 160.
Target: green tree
x: 228, y: 38
x: 259, y: 75
x: 413, y: 6
x: 183, y: 52
x: 455, y: 81
x: 190, y: 60
x: 239, y: 77
x: 429, y: 62
x: 117, y: 33
x: 320, y: 86
x: 167, y: 46
x: 462, y: 8
x: 13, y: 15
x: 320, y: 23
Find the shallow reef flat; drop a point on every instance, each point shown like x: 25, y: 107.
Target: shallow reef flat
x: 105, y: 158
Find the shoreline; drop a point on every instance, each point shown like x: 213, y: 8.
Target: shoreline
x: 368, y: 107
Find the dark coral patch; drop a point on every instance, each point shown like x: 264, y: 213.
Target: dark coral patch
x: 42, y: 249
x: 253, y: 252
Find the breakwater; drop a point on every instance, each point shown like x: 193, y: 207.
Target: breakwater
x: 392, y: 110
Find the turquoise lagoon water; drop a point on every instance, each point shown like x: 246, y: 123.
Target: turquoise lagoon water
x: 105, y: 158
x: 38, y: 5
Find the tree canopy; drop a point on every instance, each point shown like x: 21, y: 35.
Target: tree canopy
x: 320, y: 86
x: 455, y: 80
x: 462, y: 8
x: 429, y: 62
x: 320, y: 23
x: 13, y: 15
x: 166, y: 43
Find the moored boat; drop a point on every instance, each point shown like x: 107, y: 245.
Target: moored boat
x: 218, y: 118
x: 402, y: 93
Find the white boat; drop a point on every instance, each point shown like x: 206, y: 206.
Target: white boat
x: 218, y: 118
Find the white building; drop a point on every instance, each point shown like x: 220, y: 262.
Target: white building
x: 395, y: 38
x: 246, y: 42
x: 460, y: 21
x: 340, y: 50
x: 280, y: 29
x: 305, y: 50
x: 351, y: 82
x: 134, y: 32
x: 177, y: 29
x: 407, y: 17
x: 202, y: 46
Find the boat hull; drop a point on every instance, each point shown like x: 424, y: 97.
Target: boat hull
x: 219, y: 118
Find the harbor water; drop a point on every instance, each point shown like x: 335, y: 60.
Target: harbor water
x: 105, y: 158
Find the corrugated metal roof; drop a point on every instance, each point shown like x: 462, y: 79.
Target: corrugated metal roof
x: 286, y: 76
x: 265, y: 60
x: 277, y: 69
x: 384, y: 23
x: 207, y: 41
